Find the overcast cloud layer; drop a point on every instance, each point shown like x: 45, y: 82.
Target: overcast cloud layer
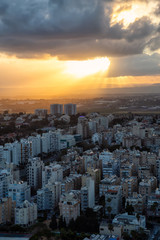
x: 78, y: 29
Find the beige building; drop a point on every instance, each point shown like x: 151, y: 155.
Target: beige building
x: 129, y: 186
x: 7, y: 207
x: 69, y: 206
x: 137, y: 201
x: 147, y: 186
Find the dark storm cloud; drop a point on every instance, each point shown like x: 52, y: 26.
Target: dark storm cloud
x: 154, y: 43
x: 69, y: 29
x: 142, y: 65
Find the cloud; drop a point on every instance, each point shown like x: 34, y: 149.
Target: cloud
x: 138, y: 65
x: 154, y: 43
x: 69, y: 29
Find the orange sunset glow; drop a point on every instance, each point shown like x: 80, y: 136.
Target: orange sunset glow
x: 117, y: 45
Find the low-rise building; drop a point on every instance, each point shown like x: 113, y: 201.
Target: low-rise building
x: 69, y: 206
x: 129, y: 186
x: 137, y: 201
x: 130, y: 222
x: 26, y: 214
x: 106, y: 183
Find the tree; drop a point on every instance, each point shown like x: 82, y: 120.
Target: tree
x: 71, y: 224
x: 85, y: 224
x: 138, y: 235
x: 68, y: 235
x: 53, y: 223
x: 62, y: 223
x: 102, y: 202
x: 154, y: 207
x: 110, y: 227
x: 138, y: 217
x: 129, y: 209
x: 109, y: 209
x: 126, y: 236
x: 90, y: 213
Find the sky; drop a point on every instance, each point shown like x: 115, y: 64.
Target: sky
x: 58, y: 47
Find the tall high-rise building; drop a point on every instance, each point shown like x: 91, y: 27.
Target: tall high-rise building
x: 34, y: 172
x: 56, y: 109
x: 88, y: 194
x: 70, y: 109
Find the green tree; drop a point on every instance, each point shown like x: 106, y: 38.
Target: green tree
x: 110, y: 227
x: 102, y: 202
x: 62, y: 223
x: 138, y: 216
x: 109, y: 210
x: 53, y: 223
x: 154, y: 207
x: 129, y: 209
x: 68, y: 235
x: 139, y: 235
x: 126, y: 236
x: 71, y: 224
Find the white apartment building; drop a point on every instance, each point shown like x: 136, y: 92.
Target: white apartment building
x: 68, y: 139
x: 26, y: 214
x: 34, y: 172
x: 54, y: 171
x: 51, y: 141
x: 36, y: 145
x: 16, y: 153
x: 19, y: 192
x: 48, y: 197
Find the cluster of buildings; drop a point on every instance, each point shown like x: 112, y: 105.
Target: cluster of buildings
x: 126, y: 178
